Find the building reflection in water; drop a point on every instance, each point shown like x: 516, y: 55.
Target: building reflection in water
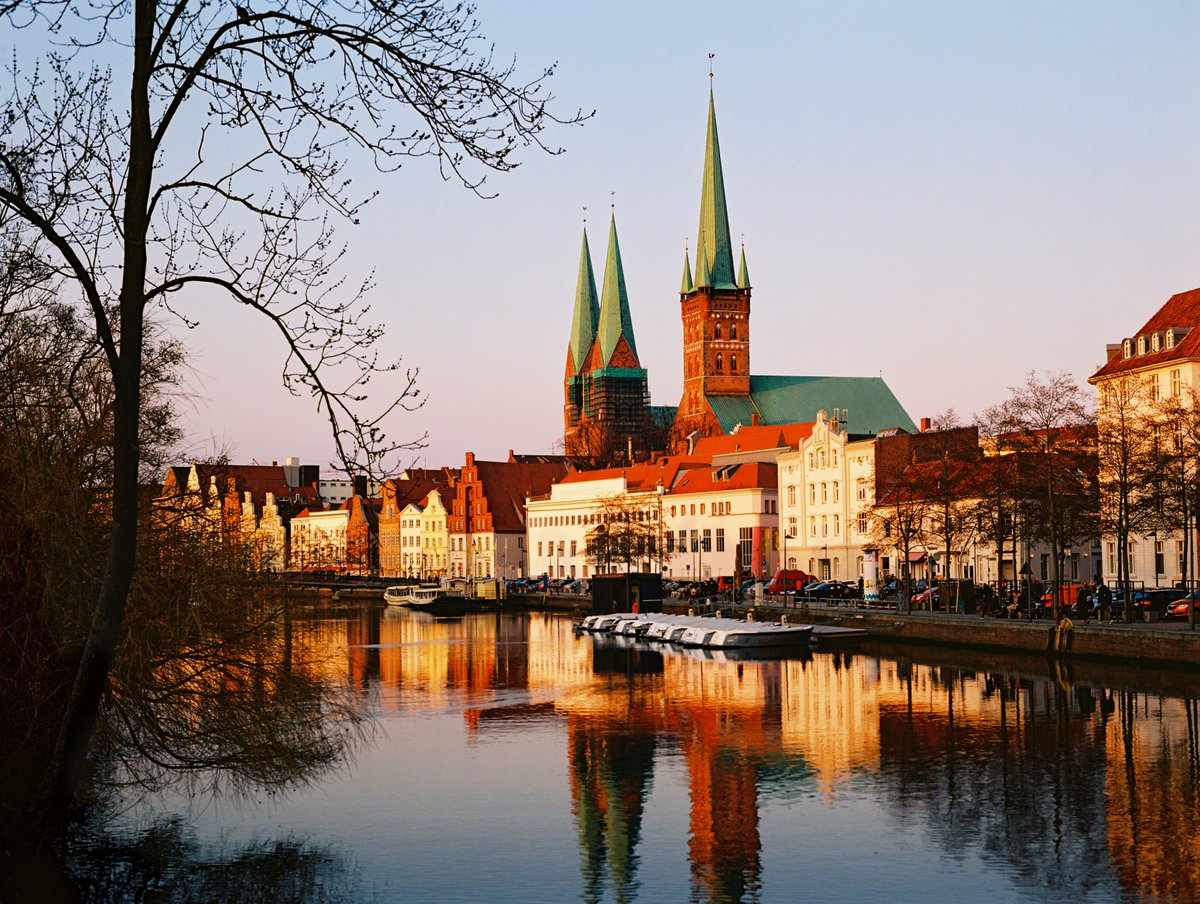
x: 1064, y: 778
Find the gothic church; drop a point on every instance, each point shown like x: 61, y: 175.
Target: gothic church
x: 606, y: 395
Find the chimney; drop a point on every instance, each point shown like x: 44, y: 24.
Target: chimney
x: 755, y: 420
x: 926, y: 423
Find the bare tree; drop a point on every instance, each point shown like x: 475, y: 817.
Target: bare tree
x: 1047, y: 416
x: 224, y: 175
x: 627, y: 531
x: 1175, y: 437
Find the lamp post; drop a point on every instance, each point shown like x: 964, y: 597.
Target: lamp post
x: 784, y: 565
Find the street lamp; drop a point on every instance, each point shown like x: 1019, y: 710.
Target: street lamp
x: 786, y: 537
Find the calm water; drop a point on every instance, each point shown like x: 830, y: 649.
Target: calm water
x: 515, y: 761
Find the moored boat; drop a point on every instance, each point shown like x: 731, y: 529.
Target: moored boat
x: 434, y: 600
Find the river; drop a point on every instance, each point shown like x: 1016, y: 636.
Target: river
x: 513, y: 760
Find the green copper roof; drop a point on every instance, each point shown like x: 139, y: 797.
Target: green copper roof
x: 614, y: 302
x: 714, y: 216
x: 791, y: 400
x: 587, y: 309
x: 743, y: 272
x: 686, y: 285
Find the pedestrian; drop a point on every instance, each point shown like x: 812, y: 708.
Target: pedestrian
x: 1081, y: 602
x: 1104, y: 599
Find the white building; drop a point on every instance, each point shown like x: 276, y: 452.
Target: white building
x: 319, y: 539
x: 826, y: 492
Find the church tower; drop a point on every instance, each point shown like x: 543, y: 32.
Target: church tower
x: 607, y: 397
x: 715, y: 306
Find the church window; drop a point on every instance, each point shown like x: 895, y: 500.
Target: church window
x: 733, y: 364
x: 733, y: 331
x: 720, y: 369
x: 717, y: 331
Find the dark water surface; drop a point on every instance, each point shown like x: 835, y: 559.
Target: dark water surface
x: 516, y: 761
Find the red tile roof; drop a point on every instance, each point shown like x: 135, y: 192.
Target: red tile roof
x: 645, y: 475
x: 745, y: 476
x: 754, y: 438
x: 1181, y: 310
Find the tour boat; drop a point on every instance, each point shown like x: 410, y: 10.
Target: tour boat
x: 434, y: 600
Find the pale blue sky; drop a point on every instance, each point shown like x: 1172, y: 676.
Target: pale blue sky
x: 950, y: 194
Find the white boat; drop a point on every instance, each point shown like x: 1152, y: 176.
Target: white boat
x: 434, y: 600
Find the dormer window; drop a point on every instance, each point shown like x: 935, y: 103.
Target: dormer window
x: 1128, y: 349
x: 1141, y: 345
x: 1154, y: 342
x: 1170, y: 338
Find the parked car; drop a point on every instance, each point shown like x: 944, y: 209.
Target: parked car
x: 788, y: 579
x: 1179, y: 608
x: 927, y: 598
x: 1154, y: 602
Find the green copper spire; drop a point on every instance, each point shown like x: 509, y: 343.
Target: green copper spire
x: 686, y: 286
x: 614, y: 302
x: 587, y: 309
x: 743, y: 273
x: 703, y: 271
x: 714, y: 217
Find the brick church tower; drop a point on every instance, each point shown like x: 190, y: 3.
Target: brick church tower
x: 715, y: 308
x: 606, y: 394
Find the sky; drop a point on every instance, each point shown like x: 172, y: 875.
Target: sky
x: 948, y: 195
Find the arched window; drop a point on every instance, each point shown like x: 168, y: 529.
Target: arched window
x: 1128, y: 352
x: 717, y: 331
x: 733, y: 364
x: 733, y: 331
x: 720, y: 368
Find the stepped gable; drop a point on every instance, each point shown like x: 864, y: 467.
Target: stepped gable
x: 504, y: 487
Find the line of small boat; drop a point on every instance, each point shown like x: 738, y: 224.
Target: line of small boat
x: 433, y: 599
x: 704, y: 631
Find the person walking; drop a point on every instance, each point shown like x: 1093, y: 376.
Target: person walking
x: 1082, y: 602
x: 1104, y: 597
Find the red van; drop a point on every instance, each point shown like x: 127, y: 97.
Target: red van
x: 788, y: 579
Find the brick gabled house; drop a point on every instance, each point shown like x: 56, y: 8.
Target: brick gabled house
x: 397, y: 519
x: 487, y: 513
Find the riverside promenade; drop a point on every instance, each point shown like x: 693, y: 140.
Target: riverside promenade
x: 1150, y: 643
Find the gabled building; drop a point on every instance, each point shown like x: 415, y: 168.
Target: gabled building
x: 1158, y: 363
x: 247, y: 508
x: 398, y: 548
x: 486, y: 519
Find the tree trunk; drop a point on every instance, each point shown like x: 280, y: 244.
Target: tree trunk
x: 82, y: 710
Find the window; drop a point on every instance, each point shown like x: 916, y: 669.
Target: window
x: 695, y: 538
x: 812, y: 492
x: 824, y: 493
x: 834, y: 454
x: 1159, y: 562
x: 733, y: 364
x: 1112, y: 557
x: 574, y: 547
x: 1141, y: 345
x: 861, y: 487
x: 707, y: 540
x: 837, y: 525
x: 720, y: 367
x: 1126, y: 349
x: 701, y: 508
x: 672, y: 511
x: 717, y: 335
x: 539, y: 547
x: 824, y: 525
x: 1175, y: 382
x: 1170, y: 338
x: 1154, y: 393
x: 862, y: 522
x: 683, y: 541
x: 720, y: 539
x: 791, y: 497
x: 812, y: 525
x: 1154, y: 342
x: 733, y: 331
x: 836, y: 494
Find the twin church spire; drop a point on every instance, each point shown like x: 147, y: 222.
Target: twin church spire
x: 605, y: 322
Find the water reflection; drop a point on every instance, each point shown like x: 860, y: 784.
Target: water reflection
x: 855, y: 775
x: 1063, y: 780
